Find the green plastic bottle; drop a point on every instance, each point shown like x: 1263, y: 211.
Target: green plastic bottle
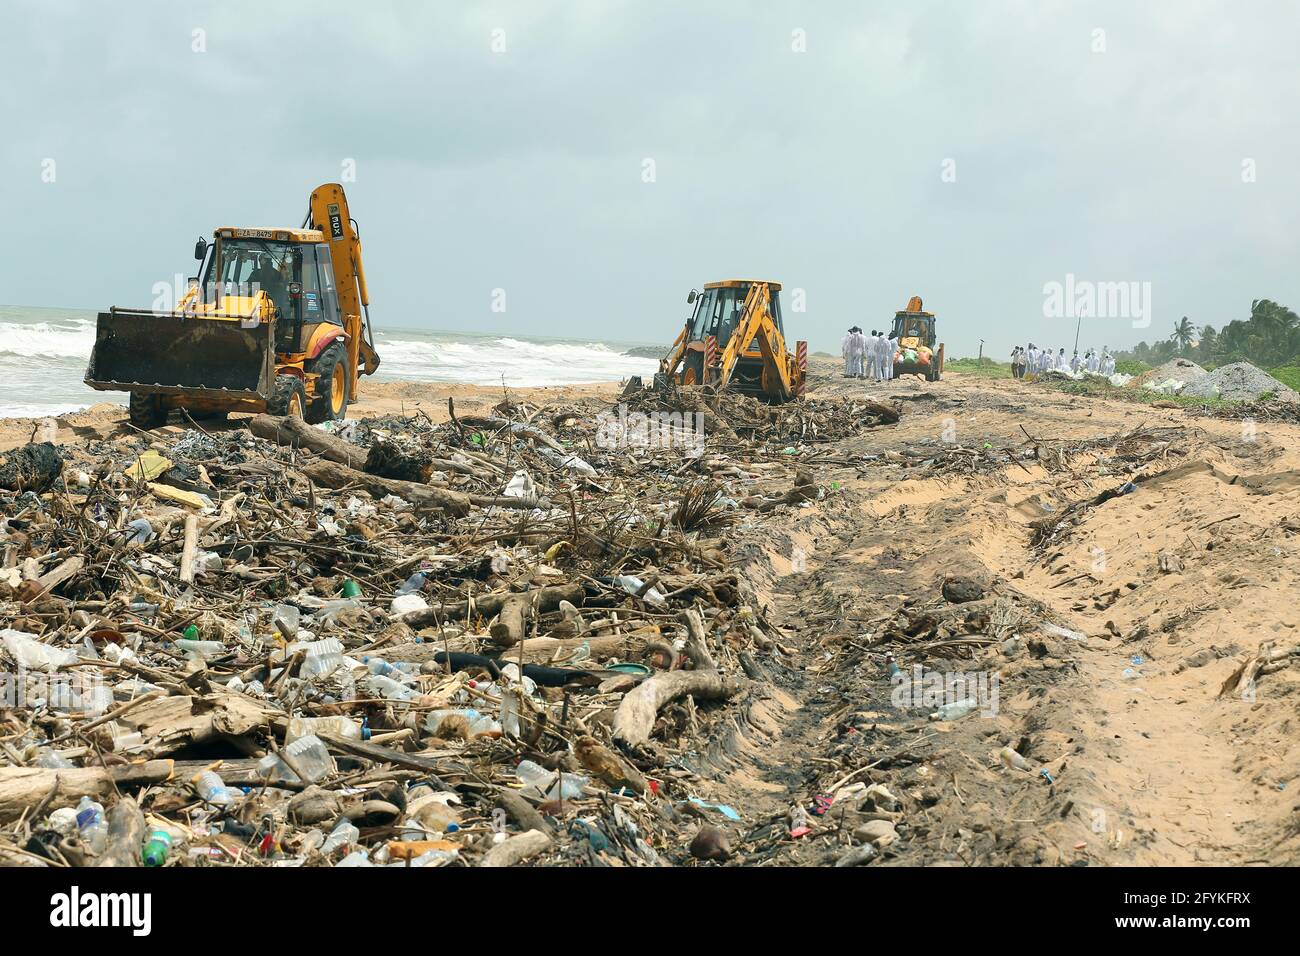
x: 156, y: 848
x: 351, y: 589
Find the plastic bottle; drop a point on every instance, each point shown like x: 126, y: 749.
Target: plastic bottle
x: 343, y: 834
x: 631, y: 584
x: 388, y: 688
x: 285, y: 618
x: 401, y: 670
x: 1012, y: 758
x: 52, y: 759
x: 955, y: 710
x: 212, y: 789
x: 200, y: 648
x: 140, y: 531
x: 476, y: 724
x: 337, y: 726
x: 539, y: 781
x: 156, y: 848
x: 413, y: 584
x: 320, y: 665
x: 91, y: 824
x: 351, y: 589
x: 310, y: 755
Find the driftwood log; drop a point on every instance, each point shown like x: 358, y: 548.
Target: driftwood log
x: 293, y: 432
x: 547, y: 599
x: 22, y: 788
x: 332, y: 474
x: 516, y: 849
x: 697, y: 648
x: 635, y: 718
x: 536, y: 650
x: 522, y: 812
x: 508, y: 630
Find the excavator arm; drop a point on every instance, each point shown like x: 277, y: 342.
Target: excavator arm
x: 670, y: 363
x: 757, y: 323
x: 328, y: 212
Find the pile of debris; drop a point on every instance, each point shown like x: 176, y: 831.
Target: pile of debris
x: 1240, y: 382
x: 1170, y: 378
x: 390, y: 642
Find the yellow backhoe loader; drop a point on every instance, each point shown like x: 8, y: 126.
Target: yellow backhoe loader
x: 919, y: 351
x: 734, y: 339
x: 278, y: 320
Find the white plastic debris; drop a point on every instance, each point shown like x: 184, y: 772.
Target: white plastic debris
x: 407, y: 604
x: 30, y: 653
x: 521, y: 486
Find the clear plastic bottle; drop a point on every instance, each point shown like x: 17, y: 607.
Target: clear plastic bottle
x: 53, y: 760
x: 320, y: 665
x: 413, y: 584
x: 200, y: 649
x: 212, y: 789
x: 310, y: 755
x: 337, y: 726
x: 91, y: 824
x: 540, y: 782
x: 343, y: 834
x: 400, y: 670
x: 388, y: 688
x: 631, y: 584
x: 955, y: 710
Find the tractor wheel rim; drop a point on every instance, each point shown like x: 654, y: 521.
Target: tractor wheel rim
x: 337, y: 388
x: 295, y: 405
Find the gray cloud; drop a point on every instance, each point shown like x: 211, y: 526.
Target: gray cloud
x: 522, y: 170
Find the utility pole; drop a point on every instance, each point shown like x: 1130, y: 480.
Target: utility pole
x: 981, y: 358
x: 1077, y: 326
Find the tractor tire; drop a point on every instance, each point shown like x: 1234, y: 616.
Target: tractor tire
x: 693, y: 369
x: 288, y: 397
x: 331, y: 404
x: 146, y: 411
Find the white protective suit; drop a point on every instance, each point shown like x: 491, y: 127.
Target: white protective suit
x: 887, y: 349
x: 860, y: 340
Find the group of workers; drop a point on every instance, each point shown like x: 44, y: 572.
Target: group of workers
x: 1036, y: 361
x: 869, y: 356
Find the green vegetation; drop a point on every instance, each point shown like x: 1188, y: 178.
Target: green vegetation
x: 1288, y: 375
x: 1099, y: 388
x: 1270, y: 336
x: 1132, y: 367
x: 987, y: 369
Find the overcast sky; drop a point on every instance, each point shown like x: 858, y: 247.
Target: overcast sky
x: 969, y: 152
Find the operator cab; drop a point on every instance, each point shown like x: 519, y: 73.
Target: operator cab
x: 718, y: 309
x: 277, y: 262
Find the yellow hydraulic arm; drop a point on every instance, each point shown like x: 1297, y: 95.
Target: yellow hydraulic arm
x: 757, y: 322
x: 328, y: 212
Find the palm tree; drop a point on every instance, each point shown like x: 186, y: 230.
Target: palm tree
x: 1184, y: 332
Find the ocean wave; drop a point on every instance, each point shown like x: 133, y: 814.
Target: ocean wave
x: 41, y: 409
x: 43, y: 340
x: 517, y: 362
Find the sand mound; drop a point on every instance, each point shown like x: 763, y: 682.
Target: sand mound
x: 1182, y: 370
x: 1239, y: 382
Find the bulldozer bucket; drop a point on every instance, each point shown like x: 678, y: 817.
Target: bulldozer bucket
x: 163, y: 353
